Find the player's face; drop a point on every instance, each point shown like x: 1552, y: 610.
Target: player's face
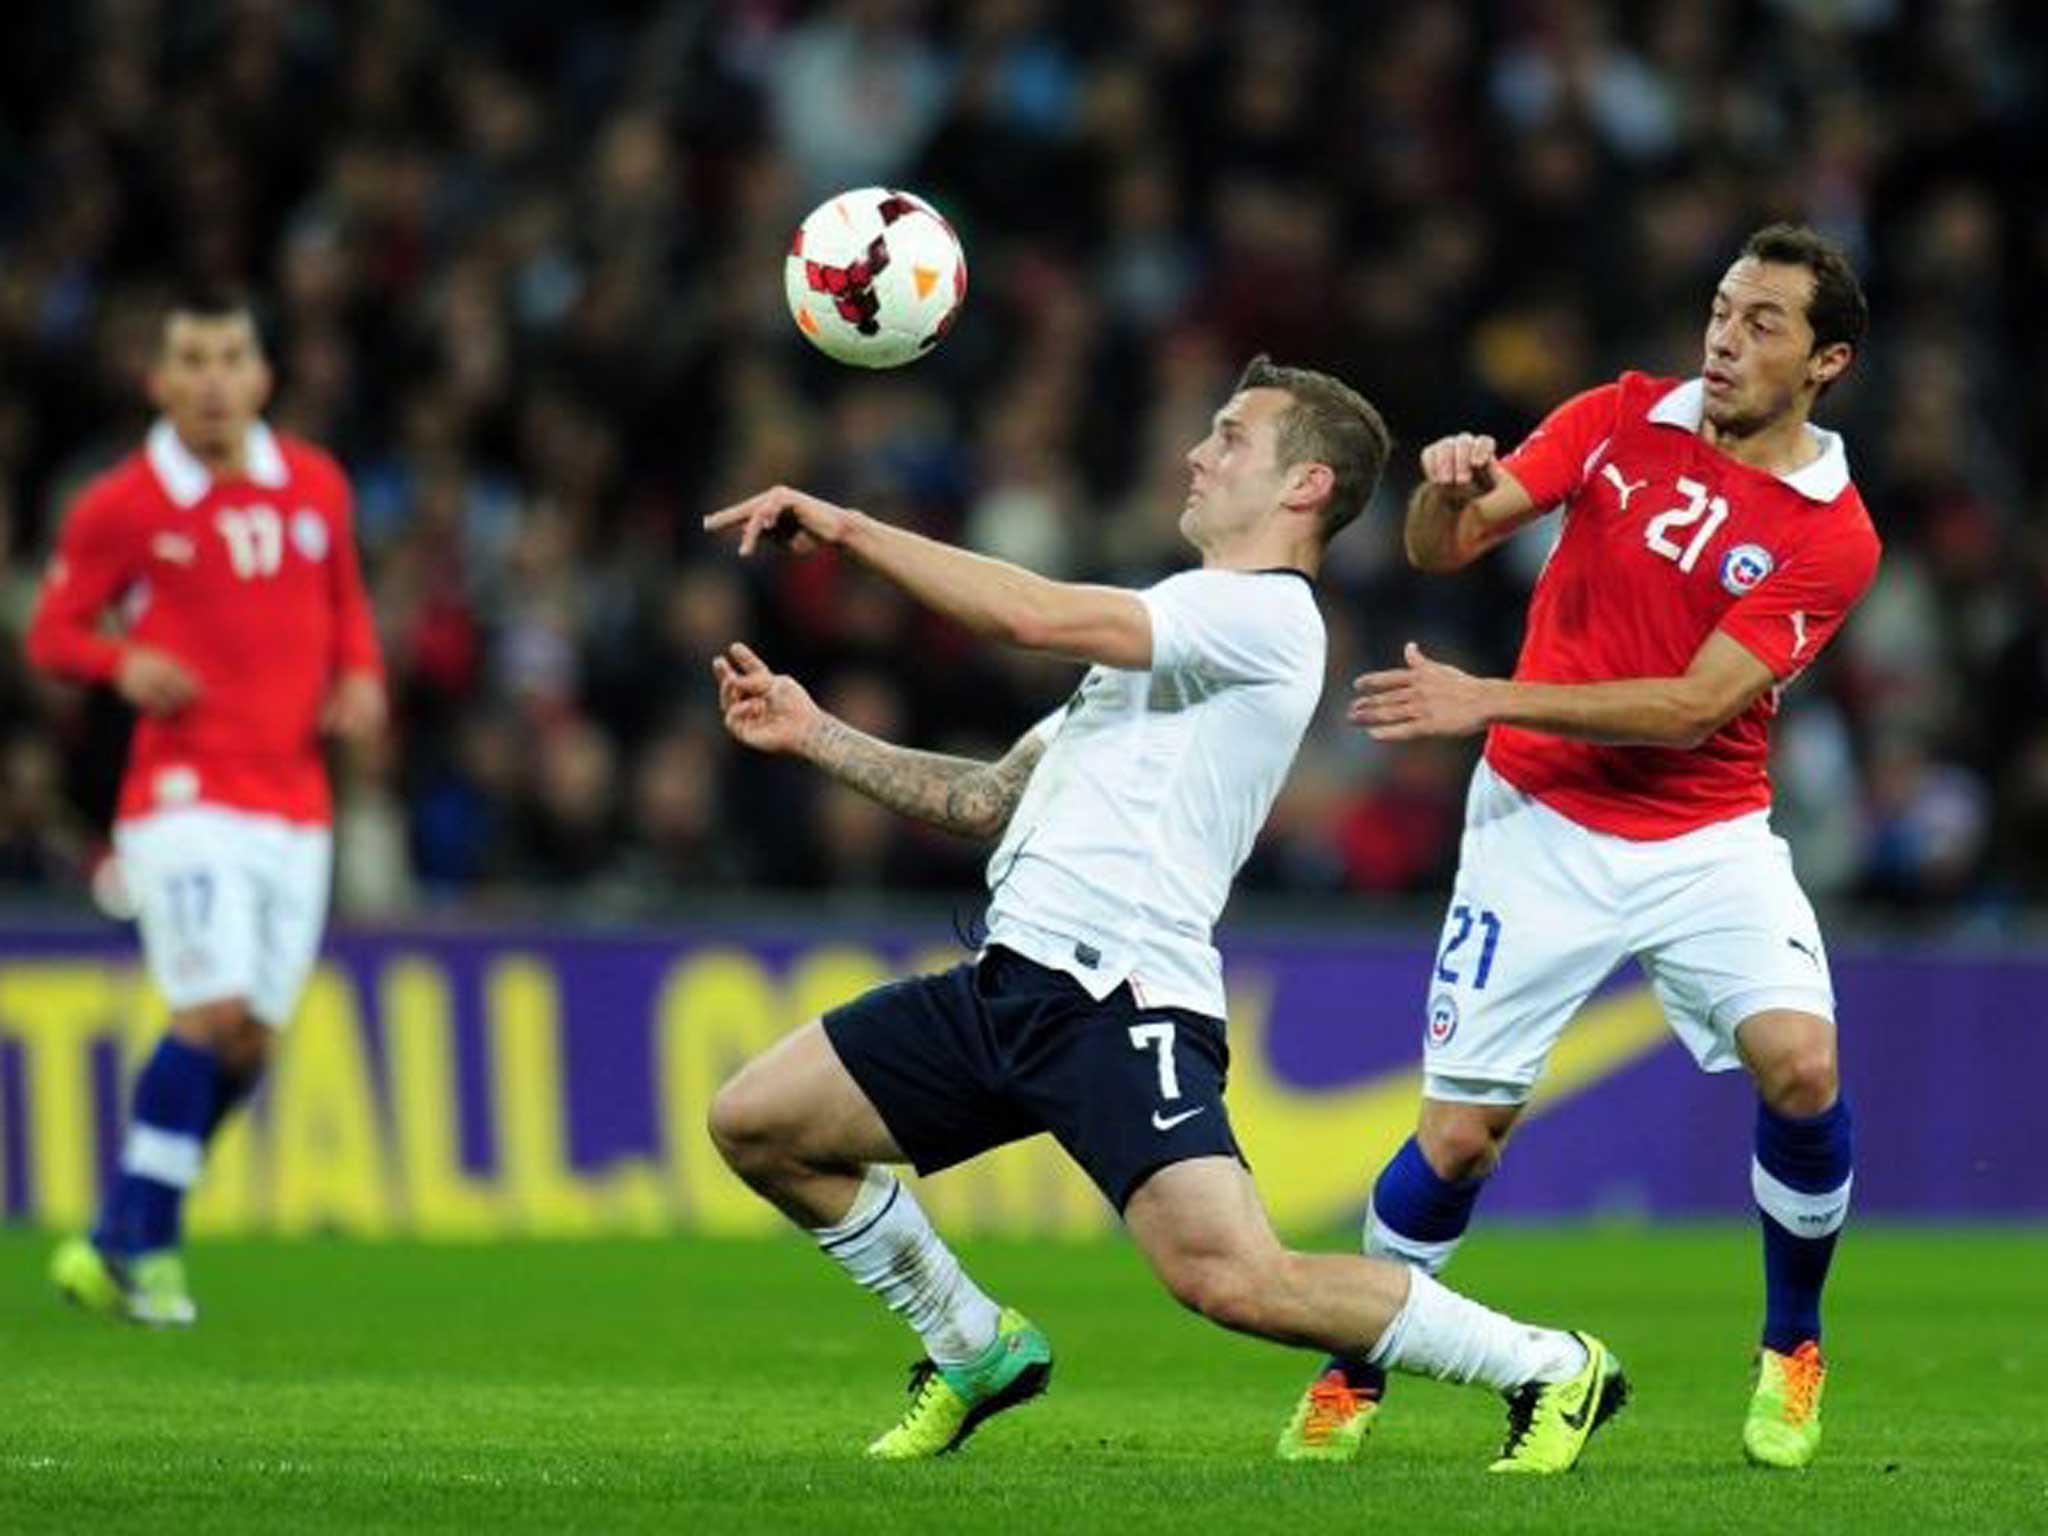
x: 210, y: 379
x: 1760, y: 360
x: 1233, y: 481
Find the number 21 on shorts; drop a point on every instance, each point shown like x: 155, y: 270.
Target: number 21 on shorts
x: 1451, y: 965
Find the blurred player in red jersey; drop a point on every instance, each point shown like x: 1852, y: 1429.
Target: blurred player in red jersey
x: 226, y: 552
x: 1712, y: 544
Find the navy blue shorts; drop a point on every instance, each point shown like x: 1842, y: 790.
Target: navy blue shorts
x: 1002, y: 1048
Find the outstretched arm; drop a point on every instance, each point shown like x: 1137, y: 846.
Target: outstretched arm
x: 1428, y: 698
x: 772, y: 712
x: 963, y: 795
x: 991, y: 597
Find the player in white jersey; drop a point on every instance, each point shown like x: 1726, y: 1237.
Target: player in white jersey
x: 1096, y: 1010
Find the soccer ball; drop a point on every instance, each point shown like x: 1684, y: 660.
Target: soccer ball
x: 875, y: 277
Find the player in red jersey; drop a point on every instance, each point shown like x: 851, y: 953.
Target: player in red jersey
x: 1712, y: 544
x: 225, y: 553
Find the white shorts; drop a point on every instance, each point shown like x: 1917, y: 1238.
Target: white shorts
x: 1544, y: 909
x: 231, y: 904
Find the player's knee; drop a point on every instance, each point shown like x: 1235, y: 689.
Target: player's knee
x: 239, y: 1040
x: 1802, y: 1082
x: 1459, y: 1146
x: 246, y: 1045
x: 745, y: 1128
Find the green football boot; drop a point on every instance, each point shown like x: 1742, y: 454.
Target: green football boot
x: 86, y: 1278
x: 949, y: 1402
x: 1550, y: 1422
x: 1330, y: 1422
x: 157, y: 1293
x: 1783, y: 1427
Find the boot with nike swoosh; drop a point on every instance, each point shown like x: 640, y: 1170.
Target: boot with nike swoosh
x: 1550, y: 1422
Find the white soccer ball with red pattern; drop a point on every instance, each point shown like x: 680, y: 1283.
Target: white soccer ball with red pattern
x: 875, y: 277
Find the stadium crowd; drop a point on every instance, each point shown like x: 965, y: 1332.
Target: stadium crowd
x: 520, y: 267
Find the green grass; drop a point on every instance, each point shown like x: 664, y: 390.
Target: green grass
x: 702, y: 1387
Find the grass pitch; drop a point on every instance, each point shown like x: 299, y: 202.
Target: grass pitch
x: 706, y: 1387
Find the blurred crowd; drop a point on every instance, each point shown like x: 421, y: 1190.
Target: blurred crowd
x: 519, y: 266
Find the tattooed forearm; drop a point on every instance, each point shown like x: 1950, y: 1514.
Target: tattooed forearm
x: 959, y: 794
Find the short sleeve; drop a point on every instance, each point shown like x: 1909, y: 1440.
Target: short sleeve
x: 1551, y: 461
x: 1235, y: 626
x: 1795, y: 611
x: 1048, y: 729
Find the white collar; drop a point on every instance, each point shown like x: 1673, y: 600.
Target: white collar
x: 185, y: 480
x: 1822, y: 480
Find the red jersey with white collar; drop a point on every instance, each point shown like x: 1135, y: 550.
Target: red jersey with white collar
x: 252, y: 583
x: 1665, y: 540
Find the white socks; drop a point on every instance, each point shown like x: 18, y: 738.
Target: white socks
x: 1442, y: 1334
x: 887, y: 1244
x: 1383, y: 1242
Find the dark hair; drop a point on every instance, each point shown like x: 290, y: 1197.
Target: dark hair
x: 207, y: 301
x: 1837, y: 311
x: 1328, y: 423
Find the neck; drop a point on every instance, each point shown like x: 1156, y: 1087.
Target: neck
x: 1265, y: 554
x: 1779, y: 446
x: 224, y: 460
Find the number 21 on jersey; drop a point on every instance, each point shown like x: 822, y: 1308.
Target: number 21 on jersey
x: 1697, y: 505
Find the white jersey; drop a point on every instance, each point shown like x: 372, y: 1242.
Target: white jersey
x: 1119, y: 857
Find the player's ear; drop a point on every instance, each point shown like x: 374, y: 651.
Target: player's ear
x: 266, y: 380
x: 1829, y: 363
x: 1308, y: 484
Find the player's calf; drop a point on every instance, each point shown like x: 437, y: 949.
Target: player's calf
x: 1234, y: 1291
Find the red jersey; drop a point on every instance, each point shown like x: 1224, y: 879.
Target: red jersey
x: 1665, y: 540
x: 251, y: 583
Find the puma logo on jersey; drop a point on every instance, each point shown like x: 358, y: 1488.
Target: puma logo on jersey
x: 173, y: 547
x: 1622, y: 484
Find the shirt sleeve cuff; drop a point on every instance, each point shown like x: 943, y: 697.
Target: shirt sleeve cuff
x: 1167, y: 637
